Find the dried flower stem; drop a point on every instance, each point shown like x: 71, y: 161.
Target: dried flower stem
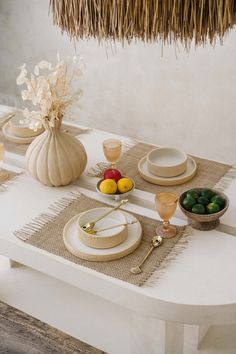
x: 52, y: 92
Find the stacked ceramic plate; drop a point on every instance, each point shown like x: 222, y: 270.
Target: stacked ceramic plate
x: 167, y: 167
x: 16, y: 131
x: 114, y: 236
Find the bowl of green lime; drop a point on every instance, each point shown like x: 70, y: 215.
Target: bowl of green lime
x: 203, y: 207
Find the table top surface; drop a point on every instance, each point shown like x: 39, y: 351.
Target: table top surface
x: 202, y: 277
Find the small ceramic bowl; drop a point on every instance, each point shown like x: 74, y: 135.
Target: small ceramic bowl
x: 104, y: 239
x: 204, y: 222
x: 116, y: 196
x: 22, y: 130
x: 166, y: 162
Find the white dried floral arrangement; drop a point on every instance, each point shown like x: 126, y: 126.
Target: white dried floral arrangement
x: 51, y: 89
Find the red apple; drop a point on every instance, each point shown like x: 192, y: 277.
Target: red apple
x: 112, y: 173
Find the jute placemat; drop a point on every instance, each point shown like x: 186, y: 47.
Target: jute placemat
x: 209, y: 173
x: 46, y: 232
x: 20, y: 149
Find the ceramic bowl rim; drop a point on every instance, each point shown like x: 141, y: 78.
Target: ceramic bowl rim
x: 98, y: 236
x: 17, y: 130
x: 184, y: 161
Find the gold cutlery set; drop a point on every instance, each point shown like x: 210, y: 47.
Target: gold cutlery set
x: 90, y: 229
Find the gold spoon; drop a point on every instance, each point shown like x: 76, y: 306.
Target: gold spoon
x: 156, y: 242
x: 90, y: 225
x: 94, y: 232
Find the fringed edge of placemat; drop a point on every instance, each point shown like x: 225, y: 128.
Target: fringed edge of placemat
x: 98, y: 169
x: 128, y: 144
x: 55, y: 209
x: 181, y: 243
x: 227, y: 179
x: 8, y: 182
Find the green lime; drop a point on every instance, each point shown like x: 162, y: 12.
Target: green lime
x: 207, y: 193
x: 218, y: 200
x: 188, y: 203
x: 203, y: 200
x: 213, y: 208
x: 193, y: 194
x: 198, y: 209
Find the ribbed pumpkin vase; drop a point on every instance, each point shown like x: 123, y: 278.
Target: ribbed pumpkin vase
x: 56, y: 158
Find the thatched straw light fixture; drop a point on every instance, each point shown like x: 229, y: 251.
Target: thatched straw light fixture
x: 147, y: 20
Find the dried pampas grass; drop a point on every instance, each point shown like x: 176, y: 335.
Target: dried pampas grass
x: 146, y: 20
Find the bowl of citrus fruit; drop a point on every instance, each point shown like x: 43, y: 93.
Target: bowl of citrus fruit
x: 203, y: 207
x: 115, y: 186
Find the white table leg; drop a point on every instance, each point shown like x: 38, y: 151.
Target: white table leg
x: 153, y: 336
x: 174, y: 338
x: 194, y: 335
x: 202, y: 332
x: 147, y: 335
x: 12, y: 263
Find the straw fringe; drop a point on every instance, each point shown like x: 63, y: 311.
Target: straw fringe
x: 170, y: 257
x: 166, y: 21
x: 4, y: 185
x: 227, y: 179
x: 43, y: 219
x: 128, y: 144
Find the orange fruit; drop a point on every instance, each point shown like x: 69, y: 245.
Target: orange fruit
x: 108, y: 186
x: 124, y: 185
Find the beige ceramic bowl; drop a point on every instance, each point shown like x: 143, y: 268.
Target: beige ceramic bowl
x: 22, y: 130
x: 204, y: 221
x: 166, y: 162
x: 104, y: 239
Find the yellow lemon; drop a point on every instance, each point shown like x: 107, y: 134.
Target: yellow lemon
x: 124, y: 185
x: 108, y: 186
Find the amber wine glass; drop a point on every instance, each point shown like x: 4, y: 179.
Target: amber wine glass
x: 166, y: 204
x: 3, y: 175
x: 112, y: 150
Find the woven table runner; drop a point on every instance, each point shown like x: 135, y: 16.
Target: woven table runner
x: 20, y: 149
x: 209, y: 173
x: 46, y: 232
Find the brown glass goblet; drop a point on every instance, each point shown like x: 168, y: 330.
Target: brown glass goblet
x: 166, y: 204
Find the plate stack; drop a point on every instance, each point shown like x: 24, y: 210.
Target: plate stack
x: 105, y: 242
x: 167, y: 167
x: 19, y: 132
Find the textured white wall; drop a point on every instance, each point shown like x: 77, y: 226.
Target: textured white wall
x: 188, y: 101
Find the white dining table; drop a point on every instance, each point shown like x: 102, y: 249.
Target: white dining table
x: 197, y: 289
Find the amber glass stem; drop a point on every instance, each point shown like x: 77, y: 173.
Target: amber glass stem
x: 166, y: 224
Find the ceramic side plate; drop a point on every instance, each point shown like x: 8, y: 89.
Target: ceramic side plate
x: 190, y: 172
x: 78, y: 249
x: 6, y: 129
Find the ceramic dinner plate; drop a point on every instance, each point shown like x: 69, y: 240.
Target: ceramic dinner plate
x: 78, y: 249
x: 167, y: 181
x: 9, y: 135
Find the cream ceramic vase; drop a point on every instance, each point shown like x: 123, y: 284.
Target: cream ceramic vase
x: 56, y: 158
